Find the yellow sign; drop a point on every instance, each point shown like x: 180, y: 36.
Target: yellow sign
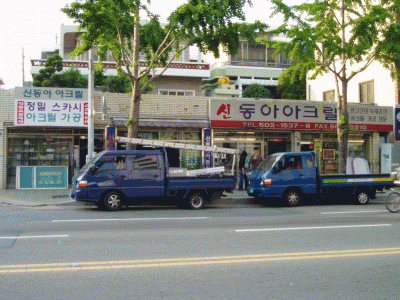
x: 224, y: 81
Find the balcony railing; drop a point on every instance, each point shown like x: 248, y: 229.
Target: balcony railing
x: 111, y: 65
x: 260, y: 64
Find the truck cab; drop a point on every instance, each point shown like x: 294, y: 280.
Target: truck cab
x: 286, y: 175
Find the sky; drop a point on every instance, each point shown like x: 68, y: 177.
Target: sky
x: 35, y: 26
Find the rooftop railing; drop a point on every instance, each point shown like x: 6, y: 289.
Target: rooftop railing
x: 112, y: 65
x: 260, y: 64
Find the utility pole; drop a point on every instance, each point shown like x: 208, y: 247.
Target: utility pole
x: 23, y: 67
x: 91, y: 106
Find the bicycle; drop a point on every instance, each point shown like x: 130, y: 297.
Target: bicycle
x: 392, y: 202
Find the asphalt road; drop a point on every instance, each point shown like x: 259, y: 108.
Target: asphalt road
x: 221, y: 252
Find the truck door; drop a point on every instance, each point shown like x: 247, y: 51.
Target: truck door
x: 296, y: 171
x: 146, y: 175
x: 110, y: 171
x: 309, y: 175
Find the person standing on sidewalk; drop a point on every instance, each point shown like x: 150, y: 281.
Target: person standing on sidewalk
x: 255, y: 159
x: 242, y: 171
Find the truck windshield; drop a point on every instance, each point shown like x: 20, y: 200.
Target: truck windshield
x: 268, y: 163
x: 88, y: 164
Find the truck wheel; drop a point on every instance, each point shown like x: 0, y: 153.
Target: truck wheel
x: 362, y: 197
x: 112, y: 201
x: 196, y: 201
x: 292, y: 198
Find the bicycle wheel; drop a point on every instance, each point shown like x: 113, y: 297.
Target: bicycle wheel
x: 392, y: 202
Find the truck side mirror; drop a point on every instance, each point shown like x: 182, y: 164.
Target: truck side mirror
x: 93, y: 169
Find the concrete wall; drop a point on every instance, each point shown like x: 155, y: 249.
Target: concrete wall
x: 177, y: 83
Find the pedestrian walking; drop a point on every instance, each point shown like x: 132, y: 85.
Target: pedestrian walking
x: 255, y: 159
x: 242, y: 171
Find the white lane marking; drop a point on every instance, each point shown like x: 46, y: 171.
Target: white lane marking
x: 353, y: 212
x: 310, y: 228
x: 34, y: 236
x: 131, y: 219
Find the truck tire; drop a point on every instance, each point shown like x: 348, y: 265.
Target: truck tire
x: 362, y: 197
x: 196, y: 201
x: 112, y: 201
x: 292, y: 197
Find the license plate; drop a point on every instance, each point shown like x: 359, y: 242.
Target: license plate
x: 251, y: 190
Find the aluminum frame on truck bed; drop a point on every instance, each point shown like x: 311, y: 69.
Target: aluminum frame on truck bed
x: 174, y: 145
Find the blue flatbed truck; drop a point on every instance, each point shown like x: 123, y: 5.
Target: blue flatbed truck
x: 117, y: 178
x: 291, y: 176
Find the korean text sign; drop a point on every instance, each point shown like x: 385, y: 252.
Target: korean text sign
x: 208, y: 156
x: 61, y: 107
x: 296, y: 115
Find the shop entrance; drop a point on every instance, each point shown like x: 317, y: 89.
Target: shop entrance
x: 173, y: 157
x: 276, y: 146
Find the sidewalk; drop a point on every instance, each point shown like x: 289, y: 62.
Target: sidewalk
x: 35, y: 198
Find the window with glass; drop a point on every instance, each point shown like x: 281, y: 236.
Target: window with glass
x: 37, y: 151
x: 176, y: 93
x: 329, y: 96
x: 367, y: 92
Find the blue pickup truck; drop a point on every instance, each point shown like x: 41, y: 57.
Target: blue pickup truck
x: 115, y: 178
x: 294, y: 175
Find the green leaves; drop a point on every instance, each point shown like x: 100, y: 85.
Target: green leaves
x: 257, y: 91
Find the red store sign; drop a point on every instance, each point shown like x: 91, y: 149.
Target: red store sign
x: 296, y: 115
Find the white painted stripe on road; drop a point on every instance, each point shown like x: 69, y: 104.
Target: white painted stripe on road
x: 353, y: 212
x: 131, y: 219
x: 34, y: 236
x: 310, y: 228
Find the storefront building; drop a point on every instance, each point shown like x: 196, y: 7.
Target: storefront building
x: 282, y: 125
x: 51, y: 131
x: 40, y: 140
x: 47, y: 128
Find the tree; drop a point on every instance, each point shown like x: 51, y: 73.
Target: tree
x: 292, y: 85
x: 388, y: 49
x: 257, y: 91
x: 53, y: 65
x: 71, y: 78
x: 116, y: 26
x: 336, y: 36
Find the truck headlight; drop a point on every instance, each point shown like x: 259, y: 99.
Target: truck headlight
x: 266, y: 182
x: 82, y: 184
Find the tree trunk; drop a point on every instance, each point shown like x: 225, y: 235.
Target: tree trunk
x: 133, y: 128
x: 343, y: 116
x: 343, y: 129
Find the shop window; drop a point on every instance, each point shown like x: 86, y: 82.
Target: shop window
x: 367, y: 93
x: 37, y: 151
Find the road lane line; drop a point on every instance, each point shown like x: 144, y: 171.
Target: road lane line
x: 85, y: 266
x: 130, y: 219
x: 311, y: 228
x: 34, y: 236
x: 353, y: 212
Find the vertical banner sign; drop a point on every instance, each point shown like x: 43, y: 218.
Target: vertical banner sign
x: 397, y: 120
x: 207, y: 140
x: 111, y: 134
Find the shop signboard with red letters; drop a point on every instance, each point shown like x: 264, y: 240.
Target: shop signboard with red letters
x: 296, y: 115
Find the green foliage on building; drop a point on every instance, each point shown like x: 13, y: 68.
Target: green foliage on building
x: 257, y: 91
